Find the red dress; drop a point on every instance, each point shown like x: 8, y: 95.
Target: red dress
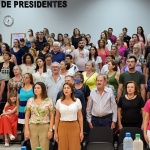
x: 8, y: 124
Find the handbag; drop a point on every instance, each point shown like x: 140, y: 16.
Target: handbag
x: 27, y: 144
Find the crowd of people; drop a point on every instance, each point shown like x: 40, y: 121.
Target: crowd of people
x: 63, y: 87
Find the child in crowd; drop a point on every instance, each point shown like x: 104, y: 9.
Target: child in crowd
x: 9, y: 119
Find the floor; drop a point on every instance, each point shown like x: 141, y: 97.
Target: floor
x: 11, y: 147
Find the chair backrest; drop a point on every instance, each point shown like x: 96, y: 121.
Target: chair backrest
x: 101, y: 134
x: 133, y: 131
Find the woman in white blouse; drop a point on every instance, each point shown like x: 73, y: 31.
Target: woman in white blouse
x: 28, y: 64
x: 40, y: 74
x: 68, y: 120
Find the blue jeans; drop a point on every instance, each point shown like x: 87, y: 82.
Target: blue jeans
x: 98, y: 121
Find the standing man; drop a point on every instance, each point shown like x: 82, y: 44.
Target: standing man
x: 130, y: 49
x: 73, y: 68
x: 111, y: 37
x: 102, y: 108
x: 80, y: 56
x: 126, y: 38
x: 40, y: 41
x: 54, y: 83
x: 132, y: 75
x: 58, y: 56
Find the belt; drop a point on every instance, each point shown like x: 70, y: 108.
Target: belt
x: 103, y: 117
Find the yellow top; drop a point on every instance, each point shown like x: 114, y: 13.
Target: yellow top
x: 90, y: 81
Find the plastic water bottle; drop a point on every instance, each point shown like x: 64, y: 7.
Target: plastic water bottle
x: 38, y: 148
x: 23, y: 148
x: 128, y: 142
x: 137, y: 143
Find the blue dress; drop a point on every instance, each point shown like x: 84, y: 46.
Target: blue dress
x: 23, y: 98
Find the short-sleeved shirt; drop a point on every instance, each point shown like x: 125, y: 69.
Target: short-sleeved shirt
x: 131, y: 109
x: 137, y: 77
x: 147, y: 109
x: 40, y: 113
x: 68, y: 113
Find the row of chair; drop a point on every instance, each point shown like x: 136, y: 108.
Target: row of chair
x: 101, y: 138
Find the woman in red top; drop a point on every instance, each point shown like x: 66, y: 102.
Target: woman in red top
x: 102, y: 51
x: 9, y: 119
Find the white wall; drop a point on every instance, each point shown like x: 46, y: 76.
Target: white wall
x: 90, y: 16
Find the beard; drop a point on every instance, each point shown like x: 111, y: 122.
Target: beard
x: 81, y: 47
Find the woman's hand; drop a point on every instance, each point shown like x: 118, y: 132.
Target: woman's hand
x: 146, y: 139
x: 27, y: 134
x: 81, y: 136
x: 56, y: 137
x: 120, y: 126
x: 49, y: 134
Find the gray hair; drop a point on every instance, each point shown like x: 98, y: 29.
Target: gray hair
x: 56, y: 43
x: 139, y: 48
x: 56, y: 63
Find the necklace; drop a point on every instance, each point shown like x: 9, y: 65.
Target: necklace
x: 130, y: 97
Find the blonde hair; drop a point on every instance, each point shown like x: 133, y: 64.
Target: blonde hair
x: 34, y: 51
x: 93, y: 65
x: 51, y: 40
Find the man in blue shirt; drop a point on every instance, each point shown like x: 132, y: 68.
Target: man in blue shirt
x: 58, y: 56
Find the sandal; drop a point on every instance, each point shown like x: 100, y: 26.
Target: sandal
x: 6, y: 143
x: 11, y: 137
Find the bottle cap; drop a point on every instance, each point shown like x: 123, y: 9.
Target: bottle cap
x: 23, y: 148
x: 137, y: 135
x: 38, y: 148
x: 128, y: 134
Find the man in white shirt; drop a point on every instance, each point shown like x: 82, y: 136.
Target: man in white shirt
x: 102, y: 107
x: 54, y: 83
x: 80, y: 55
x: 73, y: 68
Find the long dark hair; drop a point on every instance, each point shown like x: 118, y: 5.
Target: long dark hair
x: 31, y: 57
x: 72, y: 90
x: 142, y: 33
x: 96, y: 53
x: 44, y: 67
x: 43, y: 87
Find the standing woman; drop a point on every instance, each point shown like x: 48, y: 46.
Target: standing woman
x: 30, y: 37
x: 24, y: 93
x: 114, y: 52
x: 67, y: 48
x: 113, y: 75
x: 130, y: 107
x: 15, y: 82
x: 68, y: 120
x: 104, y: 36
x: 142, y: 37
x: 39, y: 118
x: 33, y: 52
x: 44, y: 51
x: 5, y: 48
x: 76, y: 37
x: 90, y: 75
x: 141, y: 44
x: 40, y: 74
x: 46, y: 33
x: 64, y: 67
x: 28, y: 64
x: 120, y: 46
x: 50, y: 42
x: 60, y: 39
x: 93, y: 56
x: 17, y: 51
x: 6, y: 68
